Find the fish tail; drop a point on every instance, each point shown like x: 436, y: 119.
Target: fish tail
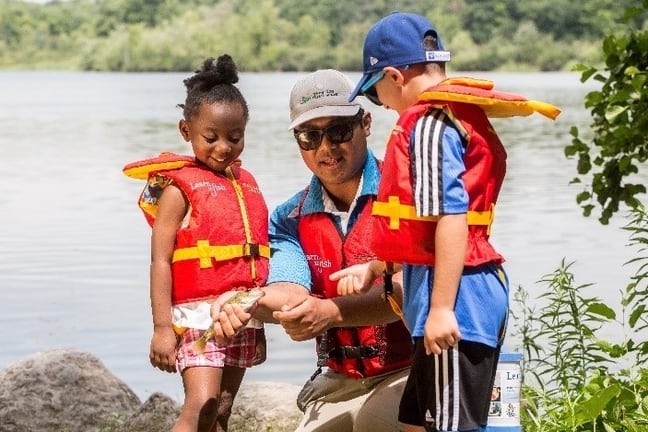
x: 200, y: 344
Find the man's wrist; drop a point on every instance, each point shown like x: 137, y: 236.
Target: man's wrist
x: 333, y: 314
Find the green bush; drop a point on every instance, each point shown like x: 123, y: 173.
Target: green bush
x: 574, y: 380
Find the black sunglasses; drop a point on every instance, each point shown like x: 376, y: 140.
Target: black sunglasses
x: 336, y: 133
x: 372, y: 95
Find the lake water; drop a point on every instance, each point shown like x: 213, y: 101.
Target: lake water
x: 75, y: 248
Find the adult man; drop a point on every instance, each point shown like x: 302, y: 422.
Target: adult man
x: 316, y: 232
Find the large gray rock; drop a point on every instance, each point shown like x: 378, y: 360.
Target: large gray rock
x: 258, y: 407
x: 265, y: 406
x: 62, y: 390
x: 72, y: 391
x: 157, y: 414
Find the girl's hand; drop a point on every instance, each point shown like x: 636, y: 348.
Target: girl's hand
x: 162, y: 352
x: 229, y: 319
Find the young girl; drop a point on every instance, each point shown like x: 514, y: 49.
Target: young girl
x: 210, y: 235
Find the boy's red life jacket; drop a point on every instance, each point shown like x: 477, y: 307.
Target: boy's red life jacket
x: 353, y: 351
x: 223, y: 242
x: 399, y: 235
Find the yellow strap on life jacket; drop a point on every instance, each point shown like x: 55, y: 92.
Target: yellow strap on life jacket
x: 204, y: 252
x: 396, y: 211
x: 394, y: 305
x: 244, y: 216
x: 388, y: 293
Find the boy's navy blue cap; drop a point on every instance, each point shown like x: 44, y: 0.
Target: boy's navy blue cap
x: 397, y: 40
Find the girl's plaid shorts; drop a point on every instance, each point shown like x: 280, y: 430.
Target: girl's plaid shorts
x: 240, y: 352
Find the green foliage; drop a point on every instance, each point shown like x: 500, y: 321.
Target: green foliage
x: 574, y: 379
x: 620, y: 120
x: 289, y: 35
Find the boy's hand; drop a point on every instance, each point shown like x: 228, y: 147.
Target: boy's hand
x: 441, y: 331
x: 357, y: 279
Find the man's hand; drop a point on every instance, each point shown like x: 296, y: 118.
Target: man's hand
x: 308, y: 319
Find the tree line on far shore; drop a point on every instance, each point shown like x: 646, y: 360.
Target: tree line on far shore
x: 296, y: 35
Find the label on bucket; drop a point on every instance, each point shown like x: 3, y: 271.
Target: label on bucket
x: 505, y: 397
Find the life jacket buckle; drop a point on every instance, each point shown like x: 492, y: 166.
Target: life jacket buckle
x: 251, y: 250
x: 349, y: 352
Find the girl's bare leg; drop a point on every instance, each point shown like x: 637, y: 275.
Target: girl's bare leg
x: 202, y: 386
x: 231, y: 382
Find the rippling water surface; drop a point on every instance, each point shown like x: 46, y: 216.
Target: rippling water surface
x: 75, y: 249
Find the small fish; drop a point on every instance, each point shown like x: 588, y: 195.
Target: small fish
x: 245, y: 299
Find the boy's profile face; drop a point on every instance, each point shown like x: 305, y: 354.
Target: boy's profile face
x: 400, y: 87
x: 391, y: 90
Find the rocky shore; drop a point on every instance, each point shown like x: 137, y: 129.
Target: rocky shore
x: 65, y: 390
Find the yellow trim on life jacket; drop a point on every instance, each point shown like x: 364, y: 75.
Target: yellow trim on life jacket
x: 395, y: 211
x: 492, y: 106
x: 179, y: 330
x: 204, y: 252
x: 164, y: 162
x: 479, y: 83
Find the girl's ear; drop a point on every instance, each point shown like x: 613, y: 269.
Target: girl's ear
x: 184, y: 129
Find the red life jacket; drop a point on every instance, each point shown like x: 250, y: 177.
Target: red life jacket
x: 223, y: 244
x: 354, y: 351
x: 399, y: 234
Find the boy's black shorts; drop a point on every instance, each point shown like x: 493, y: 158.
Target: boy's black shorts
x: 450, y: 391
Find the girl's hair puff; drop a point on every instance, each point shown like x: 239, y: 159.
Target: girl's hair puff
x: 213, y: 83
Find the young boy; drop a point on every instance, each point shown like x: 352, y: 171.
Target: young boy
x: 443, y: 170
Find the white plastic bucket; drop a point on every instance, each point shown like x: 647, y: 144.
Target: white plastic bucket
x: 504, y: 412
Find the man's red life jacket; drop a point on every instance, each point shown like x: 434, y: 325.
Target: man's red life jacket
x: 354, y: 351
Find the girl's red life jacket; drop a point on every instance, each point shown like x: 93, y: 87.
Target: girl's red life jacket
x: 223, y: 243
x: 399, y: 235
x: 353, y: 351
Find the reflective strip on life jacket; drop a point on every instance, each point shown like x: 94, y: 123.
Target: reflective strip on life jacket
x: 395, y: 211
x: 204, y: 252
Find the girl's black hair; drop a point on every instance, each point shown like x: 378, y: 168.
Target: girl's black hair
x: 213, y: 83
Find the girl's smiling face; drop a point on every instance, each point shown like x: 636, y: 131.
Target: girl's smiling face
x: 216, y: 133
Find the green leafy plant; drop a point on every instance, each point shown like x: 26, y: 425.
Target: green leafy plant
x: 575, y: 380
x: 619, y: 112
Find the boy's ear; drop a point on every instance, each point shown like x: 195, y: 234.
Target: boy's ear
x: 184, y: 129
x: 395, y: 75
